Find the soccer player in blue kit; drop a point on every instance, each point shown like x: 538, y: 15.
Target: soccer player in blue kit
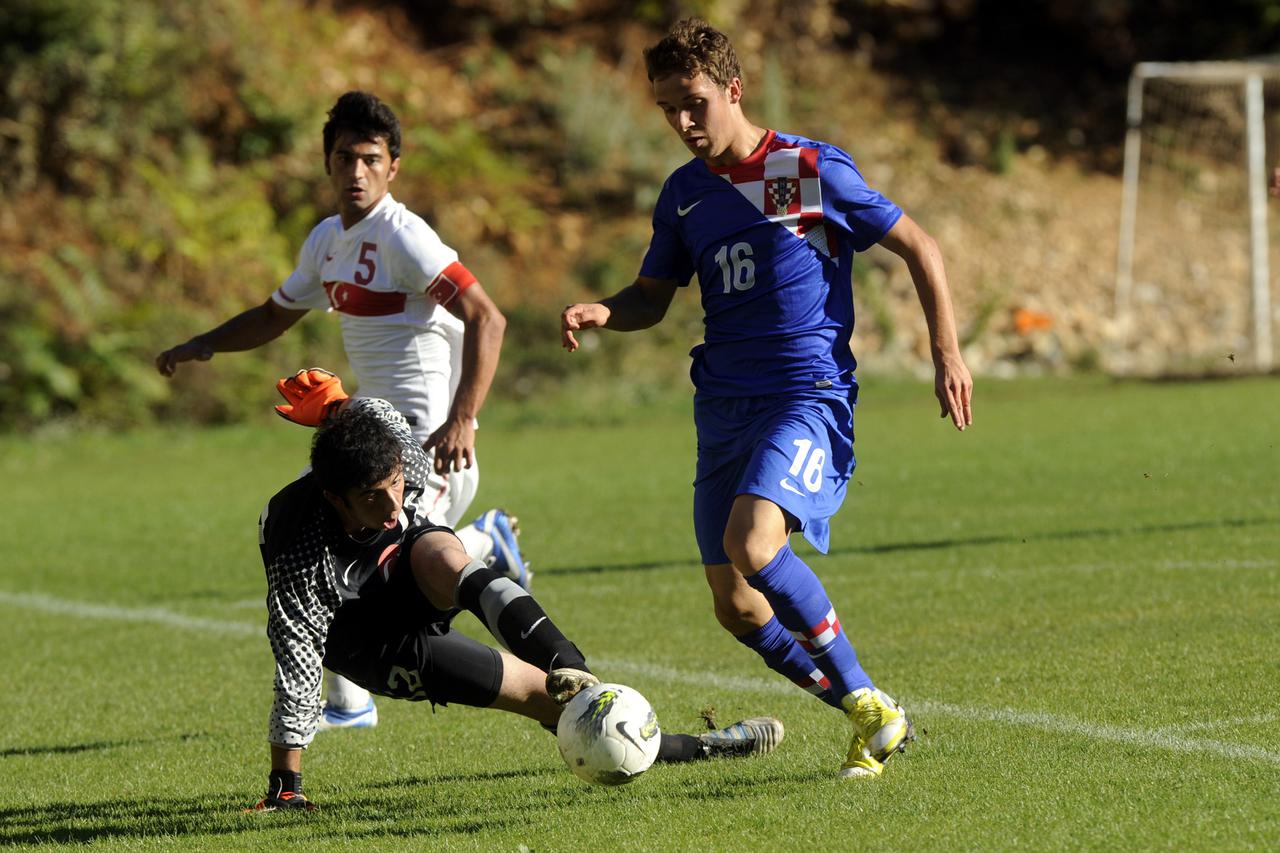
x: 770, y: 223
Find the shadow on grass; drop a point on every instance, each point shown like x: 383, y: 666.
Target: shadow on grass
x: 447, y: 778
x: 451, y: 804
x: 435, y: 808
x: 93, y: 746
x: 1088, y: 533
x: 384, y: 815
x: 451, y: 807
x: 764, y: 779
x: 67, y: 749
x: 958, y: 542
x: 81, y: 821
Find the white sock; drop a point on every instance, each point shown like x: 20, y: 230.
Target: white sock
x: 477, y: 543
x: 346, y: 694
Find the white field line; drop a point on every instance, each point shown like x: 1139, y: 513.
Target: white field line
x: 1150, y: 738
x: 1008, y: 716
x: 1218, y: 564
x: 113, y: 612
x: 1230, y: 722
x: 1097, y: 731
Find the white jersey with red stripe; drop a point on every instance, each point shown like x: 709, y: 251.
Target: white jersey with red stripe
x: 390, y: 278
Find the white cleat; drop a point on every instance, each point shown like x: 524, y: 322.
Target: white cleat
x: 752, y: 736
x: 565, y: 683
x: 342, y: 718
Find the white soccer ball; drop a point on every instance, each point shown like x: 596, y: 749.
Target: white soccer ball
x: 608, y: 734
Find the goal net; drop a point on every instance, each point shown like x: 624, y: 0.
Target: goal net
x: 1197, y: 242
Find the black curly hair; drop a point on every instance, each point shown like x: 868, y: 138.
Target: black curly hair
x: 355, y: 450
x: 367, y: 117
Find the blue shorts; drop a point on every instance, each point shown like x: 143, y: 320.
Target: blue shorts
x: 796, y: 451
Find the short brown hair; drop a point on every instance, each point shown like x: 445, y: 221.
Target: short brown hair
x: 693, y: 47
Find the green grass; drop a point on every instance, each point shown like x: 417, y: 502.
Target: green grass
x: 1079, y: 600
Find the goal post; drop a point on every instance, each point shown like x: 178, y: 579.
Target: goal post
x: 1195, y: 245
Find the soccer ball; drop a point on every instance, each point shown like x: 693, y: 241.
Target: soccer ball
x: 608, y: 734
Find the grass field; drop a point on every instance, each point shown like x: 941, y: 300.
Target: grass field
x: 1079, y: 601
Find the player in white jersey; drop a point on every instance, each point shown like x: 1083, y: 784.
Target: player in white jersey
x: 389, y: 277
x: 419, y: 331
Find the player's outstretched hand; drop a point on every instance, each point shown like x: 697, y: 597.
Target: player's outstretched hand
x: 454, y: 444
x: 313, y: 395
x: 288, y: 801
x: 954, y: 388
x: 193, y: 350
x: 580, y: 316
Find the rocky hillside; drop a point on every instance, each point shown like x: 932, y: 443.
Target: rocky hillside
x: 161, y: 165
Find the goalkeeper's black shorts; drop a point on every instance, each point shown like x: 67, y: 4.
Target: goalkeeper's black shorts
x: 393, y: 642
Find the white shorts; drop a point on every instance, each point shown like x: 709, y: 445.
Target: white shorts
x: 421, y: 387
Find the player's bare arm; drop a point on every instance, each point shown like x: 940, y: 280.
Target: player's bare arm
x: 247, y: 330
x: 952, y: 383
x: 1274, y: 185
x: 455, y: 441
x: 637, y: 306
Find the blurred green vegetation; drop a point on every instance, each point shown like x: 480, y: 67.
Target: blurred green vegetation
x: 143, y: 146
x: 160, y: 165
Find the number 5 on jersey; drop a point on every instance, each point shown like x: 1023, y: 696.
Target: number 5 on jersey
x: 366, y: 261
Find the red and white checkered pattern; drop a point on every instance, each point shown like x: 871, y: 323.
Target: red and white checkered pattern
x: 816, y: 640
x: 781, y: 181
x: 816, y: 683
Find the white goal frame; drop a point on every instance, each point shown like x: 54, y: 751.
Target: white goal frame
x: 1250, y: 76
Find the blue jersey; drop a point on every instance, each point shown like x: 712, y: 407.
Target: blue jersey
x: 772, y: 240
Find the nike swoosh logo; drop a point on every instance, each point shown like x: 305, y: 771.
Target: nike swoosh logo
x: 620, y: 726
x: 684, y: 211
x: 786, y: 484
x: 524, y: 635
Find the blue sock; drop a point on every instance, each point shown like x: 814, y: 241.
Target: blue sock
x: 783, y: 654
x: 802, y: 606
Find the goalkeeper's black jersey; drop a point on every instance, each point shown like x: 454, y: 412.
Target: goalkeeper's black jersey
x: 312, y: 566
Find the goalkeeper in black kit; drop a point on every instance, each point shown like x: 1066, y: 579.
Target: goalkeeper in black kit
x: 359, y: 581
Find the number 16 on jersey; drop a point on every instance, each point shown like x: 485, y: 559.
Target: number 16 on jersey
x: 736, y: 266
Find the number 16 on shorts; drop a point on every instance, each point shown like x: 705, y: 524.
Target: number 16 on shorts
x: 808, y: 476
x: 803, y: 469
x: 806, y: 467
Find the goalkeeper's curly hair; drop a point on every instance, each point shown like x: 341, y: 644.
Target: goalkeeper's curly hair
x: 693, y: 47
x: 357, y: 449
x: 367, y: 117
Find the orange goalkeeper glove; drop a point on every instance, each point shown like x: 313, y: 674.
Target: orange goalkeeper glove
x: 313, y: 396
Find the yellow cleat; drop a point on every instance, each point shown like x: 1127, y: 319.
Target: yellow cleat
x: 859, y: 763
x: 881, y: 728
